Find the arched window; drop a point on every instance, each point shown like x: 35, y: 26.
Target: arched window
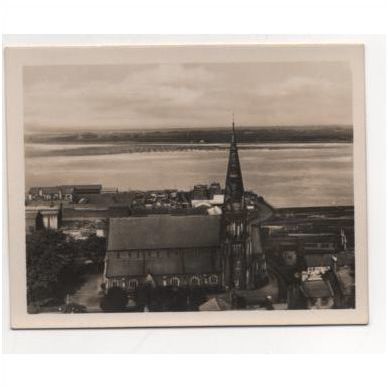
x: 213, y: 280
x: 174, y: 281
x: 133, y: 283
x: 195, y: 281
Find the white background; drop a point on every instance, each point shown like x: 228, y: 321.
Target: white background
x: 215, y: 17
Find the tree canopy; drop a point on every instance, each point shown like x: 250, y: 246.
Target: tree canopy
x: 51, y: 265
x: 93, y: 249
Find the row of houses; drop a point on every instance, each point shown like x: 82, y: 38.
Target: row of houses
x: 66, y: 192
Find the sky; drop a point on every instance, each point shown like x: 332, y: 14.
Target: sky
x: 157, y: 96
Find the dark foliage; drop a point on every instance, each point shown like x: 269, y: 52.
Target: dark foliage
x: 51, y: 268
x: 169, y: 298
x: 238, y: 302
x: 115, y: 300
x: 93, y: 249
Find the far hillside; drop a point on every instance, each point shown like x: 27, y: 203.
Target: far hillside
x: 312, y: 134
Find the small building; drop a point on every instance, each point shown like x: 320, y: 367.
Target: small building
x: 200, y: 192
x: 215, y: 200
x: 87, y: 189
x: 319, y: 293
x: 62, y: 192
x: 327, y: 283
x: 319, y: 261
x: 215, y: 188
x: 45, y: 193
x: 42, y: 217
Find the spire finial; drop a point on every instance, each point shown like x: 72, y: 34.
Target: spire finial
x: 234, y: 188
x: 233, y: 132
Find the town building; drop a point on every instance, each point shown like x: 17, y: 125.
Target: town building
x: 63, y: 192
x: 200, y: 192
x: 207, y: 196
x: 220, y: 250
x: 325, y: 281
x: 42, y: 217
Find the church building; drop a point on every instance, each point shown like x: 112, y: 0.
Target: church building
x: 220, y: 251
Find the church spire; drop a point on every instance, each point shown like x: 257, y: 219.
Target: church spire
x: 234, y: 187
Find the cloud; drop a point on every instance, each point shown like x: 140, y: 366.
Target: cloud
x: 186, y: 95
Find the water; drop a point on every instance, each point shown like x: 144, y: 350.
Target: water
x: 285, y: 175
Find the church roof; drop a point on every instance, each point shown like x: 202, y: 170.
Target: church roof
x: 163, y: 231
x: 125, y: 267
x: 167, y: 265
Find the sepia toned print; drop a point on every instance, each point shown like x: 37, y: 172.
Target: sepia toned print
x: 183, y: 186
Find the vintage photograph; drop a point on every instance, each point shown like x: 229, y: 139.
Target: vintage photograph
x: 188, y: 180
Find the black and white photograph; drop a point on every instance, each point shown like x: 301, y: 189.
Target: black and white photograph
x: 205, y: 180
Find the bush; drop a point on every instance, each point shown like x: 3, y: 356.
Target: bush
x: 115, y: 300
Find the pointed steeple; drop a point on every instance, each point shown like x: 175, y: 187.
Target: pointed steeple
x: 234, y: 187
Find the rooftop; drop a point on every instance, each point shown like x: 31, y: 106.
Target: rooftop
x: 187, y: 263
x: 163, y: 231
x: 317, y: 289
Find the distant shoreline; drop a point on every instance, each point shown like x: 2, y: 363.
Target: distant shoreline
x: 311, y: 134
x: 81, y: 149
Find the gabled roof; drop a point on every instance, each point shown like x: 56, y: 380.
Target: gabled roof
x: 317, y: 289
x: 163, y: 231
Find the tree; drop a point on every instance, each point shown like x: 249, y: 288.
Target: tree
x: 162, y: 298
x: 115, y: 300
x: 51, y: 269
x: 93, y: 248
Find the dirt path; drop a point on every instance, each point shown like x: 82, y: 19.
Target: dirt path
x: 89, y: 294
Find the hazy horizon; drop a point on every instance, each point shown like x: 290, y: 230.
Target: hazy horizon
x: 56, y: 131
